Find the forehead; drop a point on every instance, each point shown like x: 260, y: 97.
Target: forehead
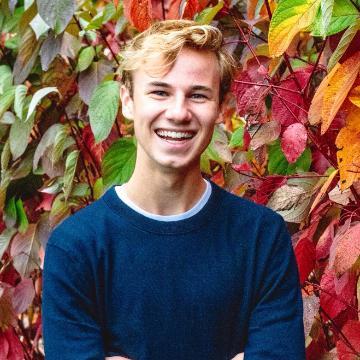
x: 192, y: 67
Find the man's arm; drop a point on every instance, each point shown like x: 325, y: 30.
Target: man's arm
x: 276, y: 323
x: 70, y: 328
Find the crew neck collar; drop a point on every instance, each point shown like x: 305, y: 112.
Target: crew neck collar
x: 198, y: 220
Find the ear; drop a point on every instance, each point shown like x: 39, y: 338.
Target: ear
x: 220, y: 118
x: 127, y: 104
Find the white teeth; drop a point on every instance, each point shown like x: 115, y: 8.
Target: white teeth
x: 175, y: 134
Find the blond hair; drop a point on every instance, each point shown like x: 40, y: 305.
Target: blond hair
x: 158, y: 47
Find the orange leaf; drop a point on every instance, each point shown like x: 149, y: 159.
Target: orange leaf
x: 251, y: 8
x: 317, y: 101
x: 348, y: 155
x: 338, y: 88
x: 354, y: 96
x: 193, y: 7
x: 139, y: 12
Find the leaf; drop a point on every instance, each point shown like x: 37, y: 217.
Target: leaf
x: 103, y: 108
x: 56, y: 13
x: 318, y: 99
x: 59, y: 144
x: 207, y: 15
x: 288, y: 19
x: 237, y: 137
x: 7, y: 314
x: 347, y: 249
x: 19, y: 136
x: 338, y: 88
x: 323, y: 189
x: 91, y: 77
x: 27, y: 55
x: 348, y: 155
x: 311, y: 306
x: 351, y: 331
x: 23, y: 296
x: 6, y: 78
x: 86, y: 57
x: 305, y: 257
x: 39, y: 26
x: 36, y: 99
x: 343, y: 45
x: 6, y: 100
x: 326, y: 13
x: 49, y: 49
x: 119, y: 162
x: 21, y: 216
x: 354, y: 96
x: 292, y: 201
x: 192, y: 7
x: 138, y: 12
x: 20, y: 95
x: 15, y: 347
x: 288, y: 105
x: 279, y: 165
x: 24, y: 251
x: 264, y: 134
x: 344, y: 14
x: 5, y: 238
x: 293, y: 141
x: 326, y: 239
x: 70, y: 168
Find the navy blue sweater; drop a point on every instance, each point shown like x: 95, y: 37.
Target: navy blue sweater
x: 208, y: 287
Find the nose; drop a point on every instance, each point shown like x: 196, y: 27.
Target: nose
x: 178, y: 110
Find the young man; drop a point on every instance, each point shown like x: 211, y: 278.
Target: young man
x: 168, y: 265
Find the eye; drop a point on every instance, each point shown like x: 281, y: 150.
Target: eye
x: 159, y: 93
x: 198, y: 96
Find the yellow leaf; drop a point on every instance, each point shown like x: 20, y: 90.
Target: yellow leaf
x: 289, y: 18
x: 354, y: 96
x: 323, y: 190
x: 338, y: 89
x: 348, y: 155
x: 317, y: 101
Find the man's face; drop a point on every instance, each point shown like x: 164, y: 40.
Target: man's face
x: 174, y: 114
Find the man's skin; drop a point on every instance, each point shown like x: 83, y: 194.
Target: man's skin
x: 167, y: 179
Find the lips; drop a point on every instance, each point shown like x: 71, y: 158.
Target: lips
x: 175, y: 135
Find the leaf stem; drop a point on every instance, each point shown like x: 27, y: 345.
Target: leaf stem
x: 163, y: 9
x: 267, y: 85
x: 268, y: 9
x: 108, y: 45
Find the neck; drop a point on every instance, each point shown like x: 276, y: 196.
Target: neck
x: 170, y: 193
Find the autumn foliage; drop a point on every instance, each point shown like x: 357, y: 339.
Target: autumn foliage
x: 290, y: 140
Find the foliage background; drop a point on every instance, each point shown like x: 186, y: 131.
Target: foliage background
x: 290, y: 139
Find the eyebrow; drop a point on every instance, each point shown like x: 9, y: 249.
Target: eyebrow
x: 167, y: 86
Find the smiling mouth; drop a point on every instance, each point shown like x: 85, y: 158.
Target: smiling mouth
x: 175, y: 135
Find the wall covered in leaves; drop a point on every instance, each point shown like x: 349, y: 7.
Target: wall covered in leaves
x: 290, y: 139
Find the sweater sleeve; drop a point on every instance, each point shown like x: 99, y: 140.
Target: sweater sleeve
x: 275, y: 329
x: 70, y: 328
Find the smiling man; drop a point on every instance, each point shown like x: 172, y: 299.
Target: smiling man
x: 168, y: 265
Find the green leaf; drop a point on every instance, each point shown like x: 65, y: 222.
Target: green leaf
x: 108, y: 13
x: 98, y: 188
x: 39, y: 26
x: 326, y: 13
x: 6, y: 100
x: 5, y: 157
x: 56, y: 13
x: 85, y: 58
x: 36, y: 99
x: 59, y: 143
x: 20, y: 95
x: 10, y: 213
x: 19, y: 136
x: 207, y: 15
x: 103, y: 108
x: 119, y: 162
x: 21, y: 216
x: 6, y: 78
x: 344, y: 14
x: 279, y: 165
x: 343, y: 45
x: 5, y: 238
x: 70, y: 168
x: 8, y: 118
x: 237, y: 137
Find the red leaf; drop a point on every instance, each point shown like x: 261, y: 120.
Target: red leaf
x: 88, y: 144
x: 330, y: 301
x: 285, y: 100
x: 325, y: 241
x: 319, y: 162
x: 139, y: 12
x: 267, y: 187
x: 15, y: 351
x: 46, y: 202
x: 293, y: 141
x: 193, y: 7
x: 305, y: 257
x: 351, y: 331
x: 23, y: 295
x: 171, y: 7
